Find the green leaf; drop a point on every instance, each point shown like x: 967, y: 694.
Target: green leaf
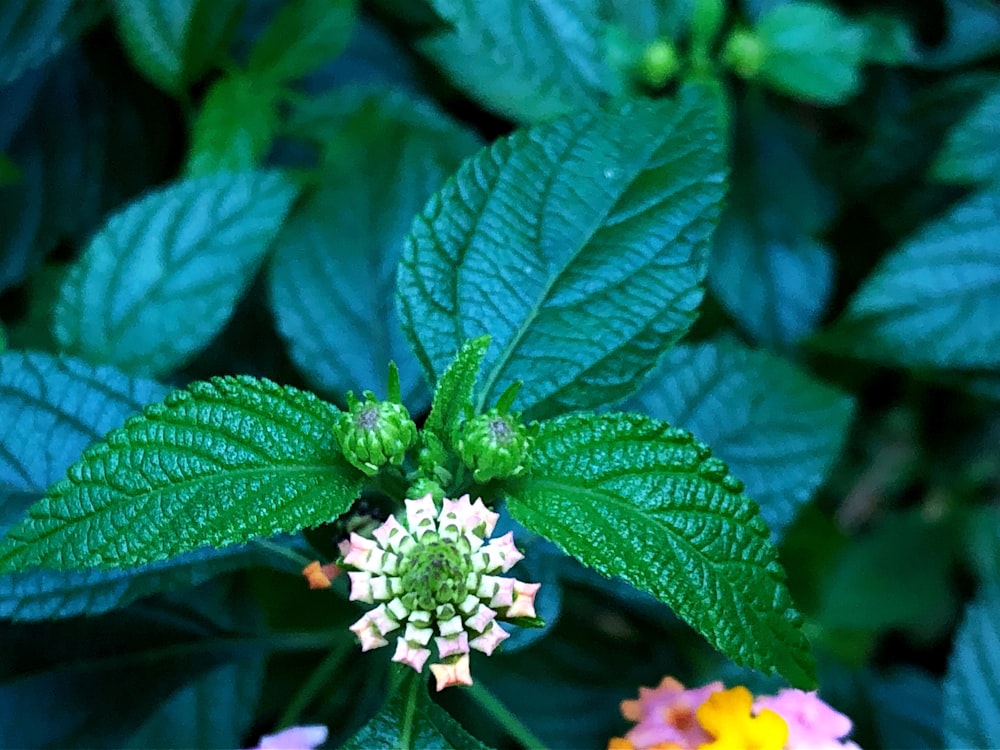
x: 935, y: 301
x: 971, y: 151
x: 633, y: 497
x: 235, y: 126
x: 527, y: 61
x: 161, y: 277
x: 811, y: 52
x: 906, y: 704
x: 454, y: 392
x: 217, y: 464
x: 30, y: 33
x: 579, y: 246
x: 778, y: 428
x: 767, y: 268
x: 9, y: 173
x: 303, y: 35
x: 972, y: 32
x: 333, y: 273
x: 972, y: 685
x: 174, y: 42
x: 51, y: 408
x: 431, y: 729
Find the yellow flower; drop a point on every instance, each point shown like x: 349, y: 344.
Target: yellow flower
x: 726, y: 715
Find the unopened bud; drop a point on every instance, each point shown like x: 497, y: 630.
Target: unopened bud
x: 374, y: 433
x: 494, y: 446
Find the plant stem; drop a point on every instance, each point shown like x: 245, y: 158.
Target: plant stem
x: 412, y: 687
x: 503, y: 716
x: 299, y: 559
x: 314, y: 683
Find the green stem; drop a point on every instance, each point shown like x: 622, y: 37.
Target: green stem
x: 503, y: 716
x: 412, y: 687
x: 299, y: 559
x: 315, y: 683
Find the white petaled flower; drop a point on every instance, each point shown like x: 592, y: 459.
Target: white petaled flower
x: 434, y: 577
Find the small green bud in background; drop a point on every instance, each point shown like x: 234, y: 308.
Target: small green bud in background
x: 659, y: 63
x: 374, y: 433
x: 744, y: 53
x: 495, y: 446
x: 424, y: 486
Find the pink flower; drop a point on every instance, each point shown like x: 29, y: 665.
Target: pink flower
x: 455, y: 673
x: 667, y: 713
x: 294, y: 738
x: 812, y: 723
x: 524, y: 600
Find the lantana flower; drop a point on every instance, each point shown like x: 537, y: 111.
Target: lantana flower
x: 670, y: 717
x: 435, y: 578
x: 294, y: 738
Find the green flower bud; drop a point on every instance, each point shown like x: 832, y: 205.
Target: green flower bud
x: 423, y: 486
x: 374, y: 433
x: 659, y: 63
x: 744, y: 53
x: 494, y: 446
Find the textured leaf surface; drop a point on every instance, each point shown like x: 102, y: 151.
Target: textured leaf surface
x: 633, y: 497
x: 454, y: 391
x: 767, y: 268
x: 907, y: 709
x: 173, y: 41
x: 161, y: 278
x: 972, y: 685
x: 29, y: 33
x: 432, y: 728
x: 333, y: 274
x: 777, y: 428
x: 935, y: 301
x: 971, y: 151
x: 217, y: 464
x: 302, y: 35
x: 578, y: 246
x: 526, y: 59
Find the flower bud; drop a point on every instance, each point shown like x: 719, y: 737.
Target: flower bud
x: 744, y: 53
x: 494, y: 446
x: 374, y: 433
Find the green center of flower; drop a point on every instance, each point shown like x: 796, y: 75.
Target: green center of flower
x: 436, y: 573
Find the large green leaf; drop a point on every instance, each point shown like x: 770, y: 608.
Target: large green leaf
x: 935, y: 301
x: 971, y: 151
x: 173, y: 42
x: 526, y: 59
x: 216, y: 464
x: 29, y: 34
x: 907, y: 706
x: 777, y: 428
x: 161, y: 278
x: 633, y: 497
x: 333, y: 273
x: 410, y: 714
x: 302, y: 35
x: 972, y: 685
x: 579, y: 246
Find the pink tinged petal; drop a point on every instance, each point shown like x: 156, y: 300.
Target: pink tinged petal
x: 469, y: 604
x: 452, y: 674
x: 503, y: 595
x: 475, y: 542
x: 294, y: 738
x: 421, y: 636
x: 380, y: 588
x: 524, y: 600
x: 450, y: 627
x: 420, y: 511
x: 811, y: 721
x: 361, y: 587
x: 489, y: 640
x: 359, y: 551
x: 419, y: 617
x: 455, y: 644
x: 391, y: 534
x: 381, y: 619
x: 487, y: 516
x: 503, y: 554
x: 370, y: 638
x: 398, y: 610
x: 407, y: 654
x: 481, y: 620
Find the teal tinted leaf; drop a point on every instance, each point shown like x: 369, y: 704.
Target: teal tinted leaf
x: 811, y: 52
x: 173, y: 42
x: 526, y: 60
x: 779, y: 429
x: 579, y: 246
x: 907, y: 706
x: 971, y: 151
x: 890, y: 39
x: 972, y: 685
x: 235, y: 126
x: 214, y: 710
x: 303, y: 35
x: 767, y: 268
x: 972, y: 32
x: 217, y: 464
x: 162, y: 276
x: 9, y: 173
x: 935, y: 301
x: 51, y: 408
x: 333, y: 273
x: 29, y: 34
x: 633, y: 497
x: 454, y: 392
x: 431, y: 729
